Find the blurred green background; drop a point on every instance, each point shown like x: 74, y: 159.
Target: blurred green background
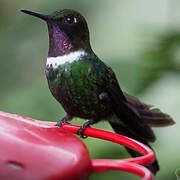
x: 140, y: 40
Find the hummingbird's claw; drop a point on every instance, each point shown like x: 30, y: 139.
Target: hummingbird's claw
x: 80, y: 132
x: 64, y: 120
x: 59, y: 124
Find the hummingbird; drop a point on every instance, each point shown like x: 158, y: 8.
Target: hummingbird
x: 87, y: 88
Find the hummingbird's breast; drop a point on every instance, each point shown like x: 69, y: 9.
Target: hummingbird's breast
x: 74, y: 85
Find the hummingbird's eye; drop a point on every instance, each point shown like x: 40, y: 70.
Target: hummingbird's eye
x: 71, y: 20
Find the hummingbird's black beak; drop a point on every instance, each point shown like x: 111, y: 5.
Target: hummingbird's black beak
x: 41, y: 16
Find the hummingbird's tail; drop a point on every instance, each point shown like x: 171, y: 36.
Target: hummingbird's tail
x: 152, y: 116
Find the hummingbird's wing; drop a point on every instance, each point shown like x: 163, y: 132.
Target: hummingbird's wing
x: 127, y: 115
x: 128, y: 121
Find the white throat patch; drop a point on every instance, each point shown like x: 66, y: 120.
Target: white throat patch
x: 60, y: 60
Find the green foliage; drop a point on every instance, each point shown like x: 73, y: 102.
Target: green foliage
x: 161, y: 57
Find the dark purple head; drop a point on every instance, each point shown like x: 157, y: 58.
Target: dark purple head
x: 68, y: 31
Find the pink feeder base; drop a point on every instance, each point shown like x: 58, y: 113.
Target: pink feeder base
x: 35, y: 151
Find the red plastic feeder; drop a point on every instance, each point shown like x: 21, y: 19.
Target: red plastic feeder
x: 38, y: 150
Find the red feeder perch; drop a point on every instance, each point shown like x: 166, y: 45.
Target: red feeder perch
x: 38, y: 150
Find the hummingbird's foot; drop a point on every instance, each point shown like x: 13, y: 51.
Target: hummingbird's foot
x: 64, y: 120
x: 80, y: 131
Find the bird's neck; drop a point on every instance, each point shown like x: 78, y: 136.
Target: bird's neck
x: 57, y: 61
x: 59, y: 43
